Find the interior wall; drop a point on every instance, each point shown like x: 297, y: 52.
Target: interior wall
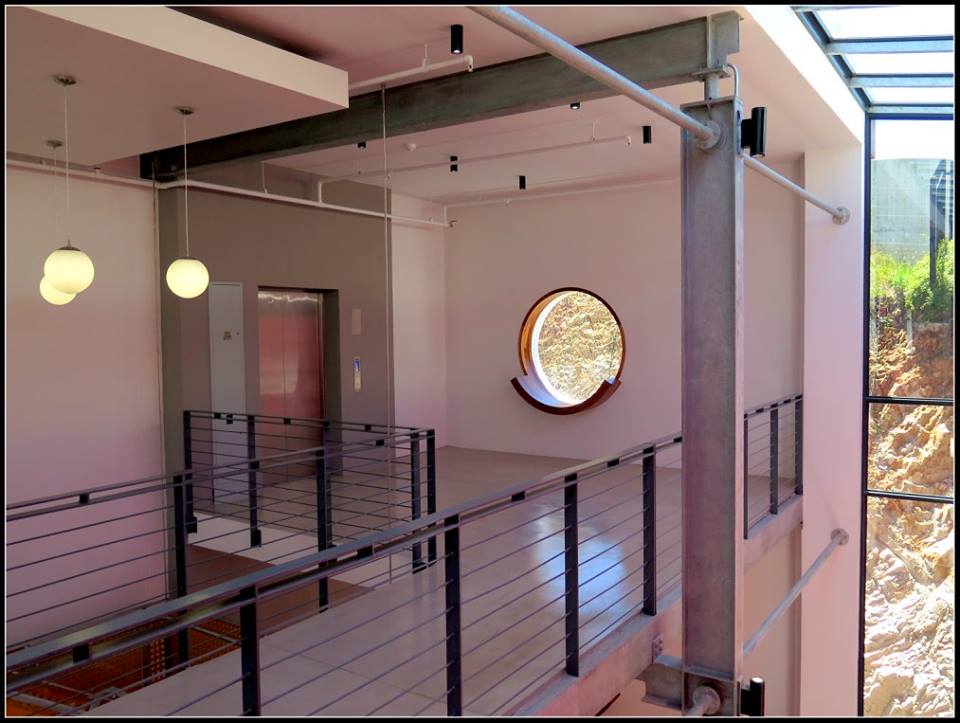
x: 83, y: 395
x: 832, y: 443
x: 625, y: 246
x: 419, y: 318
x: 263, y: 243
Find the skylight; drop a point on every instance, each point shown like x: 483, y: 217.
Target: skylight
x: 896, y: 59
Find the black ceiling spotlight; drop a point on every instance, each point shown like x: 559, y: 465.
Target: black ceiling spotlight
x: 456, y: 39
x: 361, y: 145
x: 753, y: 132
x: 575, y: 105
x: 454, y: 166
x: 648, y: 134
x: 523, y: 183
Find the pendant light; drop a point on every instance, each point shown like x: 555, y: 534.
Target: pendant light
x: 187, y: 277
x: 47, y: 291
x: 68, y: 269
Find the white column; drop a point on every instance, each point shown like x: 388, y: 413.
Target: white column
x: 832, y: 409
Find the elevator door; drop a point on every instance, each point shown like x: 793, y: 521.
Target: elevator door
x: 291, y: 367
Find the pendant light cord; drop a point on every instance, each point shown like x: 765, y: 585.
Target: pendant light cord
x: 186, y: 190
x: 66, y: 162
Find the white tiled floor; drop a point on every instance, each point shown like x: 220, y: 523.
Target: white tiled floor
x: 383, y: 652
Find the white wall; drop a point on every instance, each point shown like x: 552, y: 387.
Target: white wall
x: 833, y: 385
x: 419, y: 317
x: 625, y: 246
x: 83, y: 402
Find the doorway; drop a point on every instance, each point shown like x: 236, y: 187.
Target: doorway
x: 290, y: 323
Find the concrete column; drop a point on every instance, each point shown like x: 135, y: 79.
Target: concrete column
x: 832, y: 399
x: 712, y: 405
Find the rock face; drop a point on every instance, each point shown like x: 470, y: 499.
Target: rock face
x: 909, y: 630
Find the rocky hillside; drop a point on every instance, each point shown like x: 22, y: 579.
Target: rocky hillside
x: 909, y: 640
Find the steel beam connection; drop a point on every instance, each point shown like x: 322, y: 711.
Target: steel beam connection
x: 657, y: 58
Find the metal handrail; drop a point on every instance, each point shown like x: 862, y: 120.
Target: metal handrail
x: 204, y: 473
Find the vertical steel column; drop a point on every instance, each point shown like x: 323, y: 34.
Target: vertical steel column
x: 774, y: 460
x: 323, y: 520
x: 252, y: 466
x: 798, y: 446
x: 416, y: 550
x: 571, y: 576
x: 650, y: 531
x: 250, y: 654
x: 188, y: 466
x: 451, y: 554
x: 180, y: 556
x: 432, y: 489
x: 746, y: 477
x: 712, y: 405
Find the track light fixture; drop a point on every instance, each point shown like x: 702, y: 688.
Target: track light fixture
x: 362, y: 145
x: 456, y: 39
x: 575, y: 105
x: 187, y: 277
x: 454, y: 166
x: 523, y: 183
x: 647, y: 134
x: 68, y: 270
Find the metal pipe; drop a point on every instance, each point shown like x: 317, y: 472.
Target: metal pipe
x: 295, y: 201
x: 837, y: 538
x: 840, y: 214
x: 522, y: 26
x: 419, y: 70
x: 625, y: 139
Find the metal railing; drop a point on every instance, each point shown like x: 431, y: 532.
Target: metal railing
x: 772, y: 458
x: 526, y: 580
x: 105, y: 549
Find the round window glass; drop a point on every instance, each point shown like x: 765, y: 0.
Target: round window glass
x: 576, y: 344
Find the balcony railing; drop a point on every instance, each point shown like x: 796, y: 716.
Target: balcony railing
x: 517, y: 585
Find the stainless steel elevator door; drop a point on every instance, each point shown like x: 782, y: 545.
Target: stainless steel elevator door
x: 291, y: 366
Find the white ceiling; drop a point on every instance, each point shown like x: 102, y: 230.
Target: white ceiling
x: 370, y: 41
x: 133, y: 65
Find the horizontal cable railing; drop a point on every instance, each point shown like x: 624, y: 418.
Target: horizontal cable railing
x: 521, y: 583
x: 772, y: 458
x: 79, y: 556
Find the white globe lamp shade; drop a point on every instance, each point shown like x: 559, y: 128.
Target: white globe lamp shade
x: 68, y: 270
x: 50, y: 294
x: 187, y: 277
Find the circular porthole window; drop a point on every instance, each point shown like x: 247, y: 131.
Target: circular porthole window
x: 571, y: 352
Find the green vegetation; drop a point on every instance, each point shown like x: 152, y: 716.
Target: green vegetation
x: 900, y: 287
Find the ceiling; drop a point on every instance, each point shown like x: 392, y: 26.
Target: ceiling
x: 133, y: 66
x: 371, y: 41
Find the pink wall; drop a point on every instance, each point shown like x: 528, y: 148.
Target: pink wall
x: 833, y: 385
x: 83, y: 379
x: 625, y: 246
x: 419, y: 317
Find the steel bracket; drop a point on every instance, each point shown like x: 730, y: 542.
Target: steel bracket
x: 670, y: 686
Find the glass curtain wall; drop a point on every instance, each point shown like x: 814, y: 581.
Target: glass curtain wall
x: 908, y: 510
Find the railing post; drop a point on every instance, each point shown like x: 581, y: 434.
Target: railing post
x: 432, y: 489
x: 323, y: 520
x: 746, y: 477
x: 774, y: 460
x: 417, y: 550
x: 188, y: 466
x: 255, y: 536
x: 250, y: 654
x: 180, y: 554
x: 451, y: 554
x: 798, y: 446
x: 571, y: 577
x: 650, y: 531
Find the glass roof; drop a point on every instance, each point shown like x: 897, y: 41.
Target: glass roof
x: 896, y: 59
